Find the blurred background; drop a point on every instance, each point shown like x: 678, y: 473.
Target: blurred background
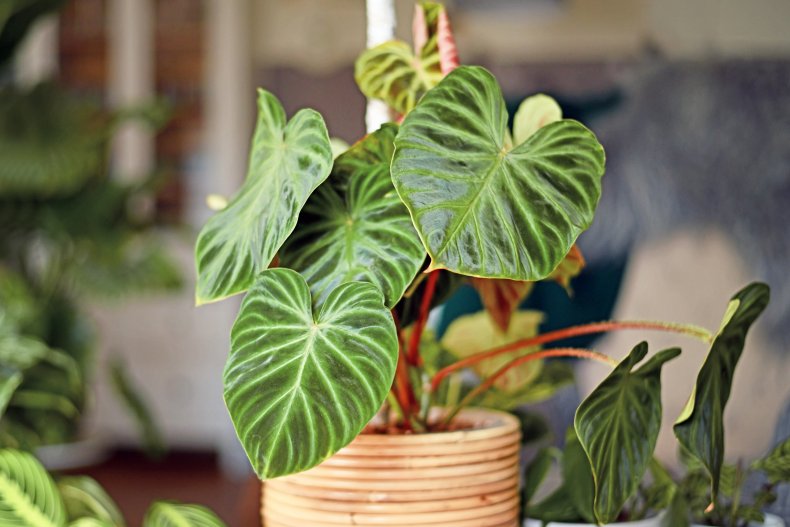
x: 119, y: 117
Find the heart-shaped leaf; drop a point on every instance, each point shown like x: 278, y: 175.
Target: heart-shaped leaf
x: 85, y: 498
x: 301, y: 384
x: 700, y: 427
x: 482, y: 207
x: 287, y: 163
x: 28, y: 496
x: 355, y: 228
x: 172, y: 514
x: 392, y: 73
x: 618, y: 424
x: 397, y: 75
x: 776, y: 464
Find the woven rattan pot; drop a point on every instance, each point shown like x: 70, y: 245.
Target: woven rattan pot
x: 463, y: 478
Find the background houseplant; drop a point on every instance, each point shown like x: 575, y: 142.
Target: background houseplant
x: 67, y: 231
x: 610, y: 449
x: 31, y: 498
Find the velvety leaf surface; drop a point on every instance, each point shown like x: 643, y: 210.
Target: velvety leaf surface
x: 776, y: 464
x: 287, y: 163
x: 618, y: 424
x: 534, y: 113
x: 397, y: 75
x: 355, y: 228
x: 301, y: 384
x: 84, y: 497
x: 392, y: 73
x: 474, y: 333
x: 171, y: 514
x: 28, y: 496
x: 700, y: 427
x: 481, y: 206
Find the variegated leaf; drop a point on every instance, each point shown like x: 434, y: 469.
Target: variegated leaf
x: 85, y: 498
x: 700, y: 427
x: 618, y: 424
x: 392, y: 73
x: 301, y: 383
x: 288, y: 161
x: 355, y: 228
x: 28, y: 496
x: 172, y: 514
x: 483, y: 207
x: 397, y: 75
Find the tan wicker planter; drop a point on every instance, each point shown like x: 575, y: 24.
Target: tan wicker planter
x: 451, y: 479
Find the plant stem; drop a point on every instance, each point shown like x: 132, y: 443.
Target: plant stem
x: 402, y: 388
x: 413, y: 355
x: 537, y: 355
x: 574, y: 331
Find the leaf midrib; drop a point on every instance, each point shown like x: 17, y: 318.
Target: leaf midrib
x: 297, y: 387
x: 21, y: 505
x: 460, y: 221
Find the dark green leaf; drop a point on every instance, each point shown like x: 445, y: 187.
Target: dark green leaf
x: 577, y: 476
x: 355, y: 228
x: 536, y: 471
x: 700, y: 427
x: 678, y: 513
x: 618, y: 425
x: 776, y: 464
x: 557, y: 507
x: 287, y: 163
x: 662, y: 487
x: 482, y: 206
x: 301, y: 384
x: 50, y: 143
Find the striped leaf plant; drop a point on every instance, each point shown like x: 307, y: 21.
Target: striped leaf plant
x: 30, y: 497
x: 342, y: 258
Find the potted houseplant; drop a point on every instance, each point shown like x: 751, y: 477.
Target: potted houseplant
x: 610, y: 448
x: 342, y: 261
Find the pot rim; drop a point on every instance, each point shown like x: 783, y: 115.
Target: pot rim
x: 487, y: 424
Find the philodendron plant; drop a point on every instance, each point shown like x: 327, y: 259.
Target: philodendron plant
x: 30, y: 497
x: 342, y: 259
x: 609, y: 450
